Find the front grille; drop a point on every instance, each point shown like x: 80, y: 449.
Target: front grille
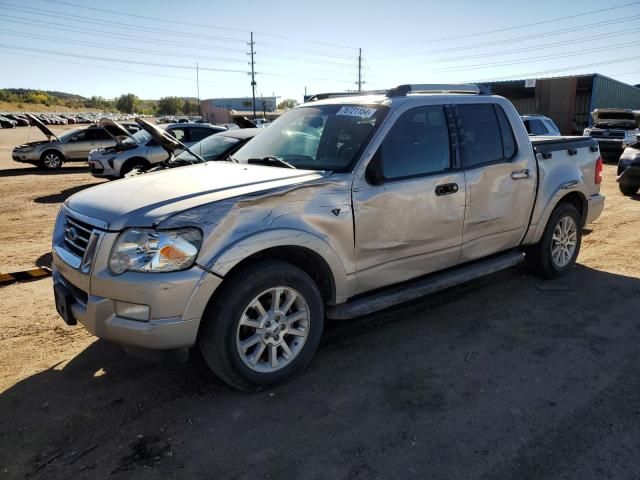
x: 609, y: 134
x: 76, y: 236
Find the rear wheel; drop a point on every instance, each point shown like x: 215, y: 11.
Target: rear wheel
x: 51, y: 160
x: 558, y: 249
x: 628, y: 190
x: 264, y: 326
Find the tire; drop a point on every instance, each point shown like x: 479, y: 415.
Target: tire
x: 237, y: 340
x: 563, y: 234
x: 628, y: 190
x: 51, y: 160
x: 136, y: 164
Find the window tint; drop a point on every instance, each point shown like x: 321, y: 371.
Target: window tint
x: 198, y: 134
x: 509, y: 147
x: 179, y: 133
x: 535, y: 127
x: 101, y: 134
x: 417, y: 144
x: 479, y: 134
x: 80, y: 137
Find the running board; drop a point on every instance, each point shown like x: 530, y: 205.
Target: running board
x: 419, y: 288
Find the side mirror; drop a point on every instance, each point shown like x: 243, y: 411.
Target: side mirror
x: 373, y: 174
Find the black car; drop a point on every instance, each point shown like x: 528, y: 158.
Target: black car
x: 7, y: 123
x: 629, y: 170
x: 21, y: 121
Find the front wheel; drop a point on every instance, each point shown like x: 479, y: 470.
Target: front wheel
x: 628, y: 190
x: 52, y: 160
x: 558, y: 249
x: 264, y: 326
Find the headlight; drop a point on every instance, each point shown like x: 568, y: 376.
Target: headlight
x: 24, y: 149
x: 148, y: 250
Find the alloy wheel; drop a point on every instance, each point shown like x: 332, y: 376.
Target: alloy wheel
x: 273, y: 329
x: 564, y: 241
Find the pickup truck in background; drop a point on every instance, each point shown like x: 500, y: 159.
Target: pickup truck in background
x: 342, y: 207
x: 615, y: 129
x: 540, y: 126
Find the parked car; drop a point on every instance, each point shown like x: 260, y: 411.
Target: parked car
x: 140, y: 151
x: 403, y: 194
x: 70, y: 146
x: 20, y: 121
x: 219, y: 146
x: 539, y: 125
x: 7, y: 123
x: 614, y: 128
x: 629, y: 170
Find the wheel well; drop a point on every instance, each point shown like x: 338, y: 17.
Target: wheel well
x: 305, y: 259
x: 50, y: 150
x: 136, y: 160
x: 577, y: 200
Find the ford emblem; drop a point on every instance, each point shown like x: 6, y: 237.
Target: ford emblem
x: 72, y: 234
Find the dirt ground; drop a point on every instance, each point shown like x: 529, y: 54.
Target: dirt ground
x: 506, y: 378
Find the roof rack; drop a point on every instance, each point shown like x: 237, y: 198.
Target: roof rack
x: 324, y: 96
x: 404, y: 90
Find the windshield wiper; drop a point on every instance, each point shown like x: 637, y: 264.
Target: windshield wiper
x: 231, y: 159
x: 271, y: 160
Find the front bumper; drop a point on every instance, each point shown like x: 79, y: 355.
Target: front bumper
x: 175, y: 301
x: 25, y: 157
x: 595, y: 207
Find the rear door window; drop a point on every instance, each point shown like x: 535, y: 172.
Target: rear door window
x: 198, y: 134
x: 479, y: 135
x: 179, y: 133
x: 417, y: 144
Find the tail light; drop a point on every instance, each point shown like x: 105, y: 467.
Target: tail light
x: 598, y: 177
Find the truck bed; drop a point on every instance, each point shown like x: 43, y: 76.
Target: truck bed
x: 548, y: 145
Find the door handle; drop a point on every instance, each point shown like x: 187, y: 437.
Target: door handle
x: 520, y: 174
x: 446, y: 189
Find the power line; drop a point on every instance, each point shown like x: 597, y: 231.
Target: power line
x: 542, y: 22
x: 114, y: 47
x: 113, y: 24
x: 534, y: 59
x: 119, y: 60
x: 112, y: 34
x: 537, y: 47
x: 557, y: 70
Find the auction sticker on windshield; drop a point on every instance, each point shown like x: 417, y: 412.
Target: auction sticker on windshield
x: 362, y: 112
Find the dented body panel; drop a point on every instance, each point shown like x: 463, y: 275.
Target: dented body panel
x: 366, y: 235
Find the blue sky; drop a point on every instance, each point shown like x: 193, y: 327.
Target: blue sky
x: 63, y: 45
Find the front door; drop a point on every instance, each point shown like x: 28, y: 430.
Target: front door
x: 411, y: 223
x: 500, y: 180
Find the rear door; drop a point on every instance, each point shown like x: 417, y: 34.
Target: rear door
x: 411, y: 224
x: 500, y: 180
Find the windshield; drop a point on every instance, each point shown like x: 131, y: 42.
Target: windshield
x: 211, y: 148
x: 323, y: 137
x: 141, y: 136
x: 68, y: 134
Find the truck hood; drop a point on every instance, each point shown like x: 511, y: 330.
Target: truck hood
x: 41, y: 126
x: 147, y: 200
x: 615, y: 118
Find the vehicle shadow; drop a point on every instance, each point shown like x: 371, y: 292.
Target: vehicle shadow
x: 485, y: 377
x: 16, y: 172
x: 44, y: 260
x: 63, y: 195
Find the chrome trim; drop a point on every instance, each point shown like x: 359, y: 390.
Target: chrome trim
x: 68, y: 257
x: 75, y: 224
x: 85, y: 218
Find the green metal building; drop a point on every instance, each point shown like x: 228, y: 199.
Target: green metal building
x: 568, y: 100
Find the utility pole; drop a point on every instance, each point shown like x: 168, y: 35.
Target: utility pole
x: 198, y: 87
x: 253, y: 74
x: 359, y: 70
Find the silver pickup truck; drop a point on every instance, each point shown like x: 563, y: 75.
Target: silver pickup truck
x: 342, y: 207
